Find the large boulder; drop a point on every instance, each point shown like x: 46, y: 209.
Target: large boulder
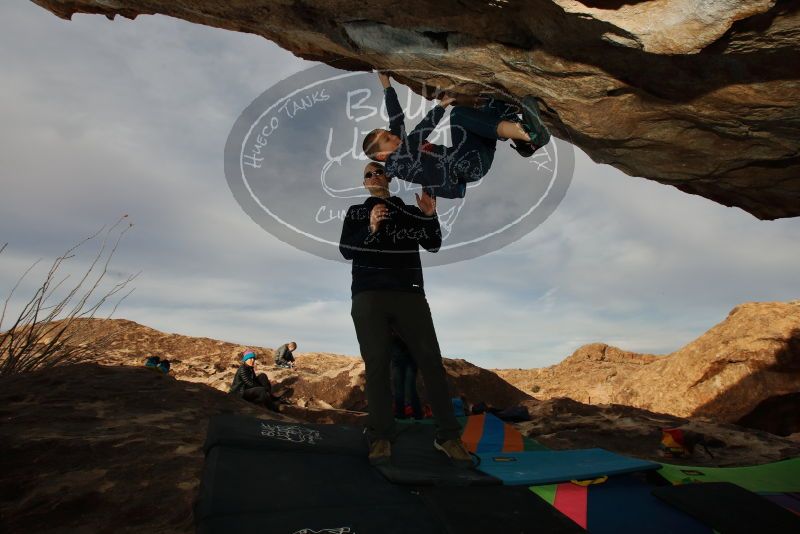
x: 741, y: 370
x: 703, y: 96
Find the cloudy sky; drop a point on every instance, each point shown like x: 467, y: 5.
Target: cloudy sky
x: 101, y: 118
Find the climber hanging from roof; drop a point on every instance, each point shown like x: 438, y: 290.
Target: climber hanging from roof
x: 474, y: 128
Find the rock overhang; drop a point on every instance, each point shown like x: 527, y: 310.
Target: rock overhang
x: 704, y: 97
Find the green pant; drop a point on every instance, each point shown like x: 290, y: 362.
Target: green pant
x: 374, y: 314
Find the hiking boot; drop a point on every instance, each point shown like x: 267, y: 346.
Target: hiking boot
x: 455, y: 450
x: 532, y: 122
x: 380, y: 452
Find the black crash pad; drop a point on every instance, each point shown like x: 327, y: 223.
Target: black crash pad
x: 271, y: 485
x: 729, y: 509
x: 416, y: 462
x: 259, y: 491
x: 246, y: 490
x: 490, y: 509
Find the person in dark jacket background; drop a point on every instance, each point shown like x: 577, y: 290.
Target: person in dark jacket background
x: 382, y: 237
x: 283, y: 355
x: 252, y: 388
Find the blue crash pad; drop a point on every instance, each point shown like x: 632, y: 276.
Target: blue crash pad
x: 546, y: 467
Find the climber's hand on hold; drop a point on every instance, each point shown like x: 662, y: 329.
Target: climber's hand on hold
x: 446, y: 100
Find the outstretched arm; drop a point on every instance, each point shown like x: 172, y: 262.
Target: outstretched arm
x: 397, y: 118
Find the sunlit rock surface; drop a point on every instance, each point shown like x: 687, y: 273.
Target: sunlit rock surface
x: 746, y: 369
x: 703, y: 96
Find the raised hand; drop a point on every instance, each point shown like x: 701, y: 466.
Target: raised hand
x: 384, y: 78
x: 378, y: 214
x: 426, y: 203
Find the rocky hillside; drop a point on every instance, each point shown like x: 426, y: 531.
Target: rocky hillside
x: 319, y: 381
x: 745, y: 369
x: 703, y: 96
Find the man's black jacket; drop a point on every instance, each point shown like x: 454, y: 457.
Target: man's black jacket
x: 389, y: 258
x: 245, y: 378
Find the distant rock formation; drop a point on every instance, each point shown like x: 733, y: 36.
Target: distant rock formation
x: 703, y: 96
x: 744, y: 370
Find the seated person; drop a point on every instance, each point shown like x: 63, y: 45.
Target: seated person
x: 252, y: 388
x: 283, y: 355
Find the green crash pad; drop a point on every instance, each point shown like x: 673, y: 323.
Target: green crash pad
x: 776, y: 477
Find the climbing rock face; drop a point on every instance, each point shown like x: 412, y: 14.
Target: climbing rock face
x: 704, y: 96
x: 748, y: 362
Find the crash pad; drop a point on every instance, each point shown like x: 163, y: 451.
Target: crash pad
x: 544, y: 467
x: 487, y: 433
x: 729, y: 508
x: 775, y: 477
x: 623, y: 504
x: 790, y: 501
x: 314, y: 484
x: 261, y: 490
x: 415, y: 461
x: 501, y: 509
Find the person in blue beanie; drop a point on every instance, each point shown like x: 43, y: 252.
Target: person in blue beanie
x: 251, y: 387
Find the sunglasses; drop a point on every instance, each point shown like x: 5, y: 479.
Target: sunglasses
x: 376, y: 172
